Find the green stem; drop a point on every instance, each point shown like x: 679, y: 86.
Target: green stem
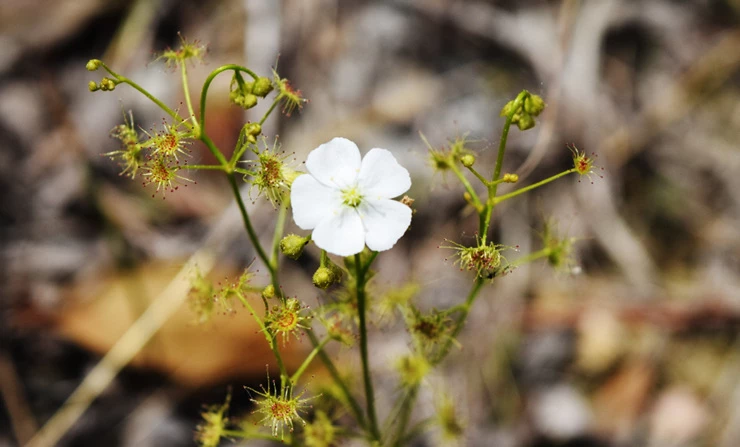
x: 460, y: 322
x: 248, y: 225
x: 207, y: 85
x: 243, y: 171
x: 269, y: 111
x: 354, y: 406
x: 409, y: 398
x: 277, y: 235
x: 212, y: 147
x: 468, y: 187
x: 499, y: 199
x: 307, y: 361
x: 539, y: 254
x: 271, y: 340
x: 405, y: 414
x: 186, y: 90
x: 360, y: 270
x: 140, y: 89
x: 493, y: 185
x: 204, y: 167
x: 505, y: 135
x: 250, y: 435
x: 479, y: 176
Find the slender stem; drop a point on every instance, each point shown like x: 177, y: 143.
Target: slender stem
x: 499, y: 199
x: 248, y: 225
x: 277, y: 235
x: 269, y: 111
x: 405, y: 414
x: 468, y: 187
x: 354, y: 406
x: 204, y: 167
x: 505, y: 135
x: 460, y: 322
x: 270, y: 340
x: 493, y: 186
x: 415, y: 430
x: 243, y: 171
x: 212, y: 147
x: 370, y: 260
x: 250, y: 435
x: 369, y: 394
x: 479, y: 176
x: 141, y: 90
x: 186, y: 90
x: 307, y: 361
x: 207, y: 85
x: 542, y: 253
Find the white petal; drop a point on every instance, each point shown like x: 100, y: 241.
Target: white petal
x: 341, y: 233
x: 312, y: 202
x: 381, y: 177
x: 385, y: 222
x: 336, y: 163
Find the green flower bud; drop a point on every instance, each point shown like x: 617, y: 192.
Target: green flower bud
x: 534, y: 105
x: 525, y: 122
x: 292, y: 245
x: 323, y: 278
x: 93, y: 64
x: 468, y: 160
x: 246, y: 87
x: 508, y: 108
x: 327, y: 274
x: 262, y: 87
x: 253, y: 129
x: 510, y: 178
x: 268, y: 292
x: 107, y: 84
x: 93, y: 86
x: 249, y: 101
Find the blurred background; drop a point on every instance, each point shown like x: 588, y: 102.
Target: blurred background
x: 637, y: 347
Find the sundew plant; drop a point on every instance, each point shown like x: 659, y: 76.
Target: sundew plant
x: 350, y: 204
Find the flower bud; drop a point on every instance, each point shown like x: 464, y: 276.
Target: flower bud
x: 508, y: 108
x: 525, y: 122
x: 327, y: 274
x: 253, y: 129
x: 262, y: 87
x: 534, y: 105
x: 468, y: 160
x: 107, y: 84
x: 510, y: 178
x: 93, y: 64
x: 292, y: 245
x: 268, y: 292
x: 93, y: 86
x: 323, y: 278
x: 247, y: 101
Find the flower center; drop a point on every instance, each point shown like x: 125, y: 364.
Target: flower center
x: 351, y: 197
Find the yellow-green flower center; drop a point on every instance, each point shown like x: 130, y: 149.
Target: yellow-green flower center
x: 351, y: 197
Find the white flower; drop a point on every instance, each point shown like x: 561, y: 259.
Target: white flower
x: 346, y: 200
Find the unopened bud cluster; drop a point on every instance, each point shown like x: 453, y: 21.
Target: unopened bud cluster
x: 245, y: 94
x: 522, y: 113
